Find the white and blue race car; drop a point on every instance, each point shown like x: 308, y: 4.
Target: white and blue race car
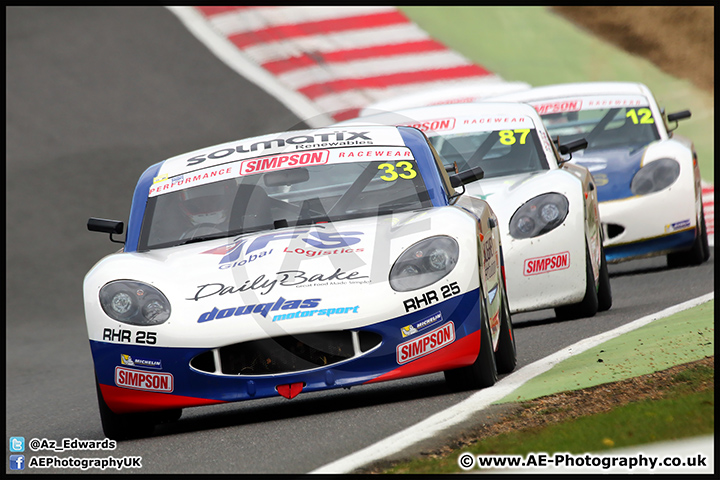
x: 648, y: 178
x: 294, y: 262
x: 548, y: 209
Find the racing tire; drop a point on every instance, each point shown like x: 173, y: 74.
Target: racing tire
x: 604, y: 290
x: 588, y: 307
x: 129, y: 426
x: 483, y: 372
x: 506, y: 355
x: 698, y: 254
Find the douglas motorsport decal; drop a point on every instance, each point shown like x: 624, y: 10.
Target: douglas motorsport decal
x: 548, y: 263
x: 140, y: 380
x: 262, y: 308
x: 303, y: 307
x: 425, y: 344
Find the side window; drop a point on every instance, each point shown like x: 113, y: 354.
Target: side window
x: 449, y: 190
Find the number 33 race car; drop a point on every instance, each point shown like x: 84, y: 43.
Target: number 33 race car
x: 294, y: 262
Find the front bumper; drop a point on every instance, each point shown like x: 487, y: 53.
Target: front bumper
x: 135, y: 378
x: 650, y: 225
x: 546, y: 271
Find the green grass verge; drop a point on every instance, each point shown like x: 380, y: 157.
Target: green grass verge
x: 534, y: 45
x: 679, y: 338
x: 684, y: 411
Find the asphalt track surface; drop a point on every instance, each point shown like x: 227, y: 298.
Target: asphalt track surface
x: 95, y: 96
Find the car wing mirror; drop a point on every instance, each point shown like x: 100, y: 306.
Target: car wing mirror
x: 674, y: 117
x: 570, y: 147
x: 106, y: 226
x: 467, y: 176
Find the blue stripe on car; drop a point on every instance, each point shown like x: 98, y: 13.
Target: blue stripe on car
x: 137, y: 209
x: 673, y: 242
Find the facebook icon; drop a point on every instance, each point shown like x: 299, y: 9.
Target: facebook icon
x: 17, y: 462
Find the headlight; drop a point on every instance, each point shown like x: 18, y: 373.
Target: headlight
x: 539, y: 215
x: 424, y: 263
x: 134, y: 303
x: 655, y: 176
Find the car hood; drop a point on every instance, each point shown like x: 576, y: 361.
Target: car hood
x: 613, y: 169
x: 340, y: 265
x: 504, y: 186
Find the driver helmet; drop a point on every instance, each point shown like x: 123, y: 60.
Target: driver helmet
x: 205, y: 204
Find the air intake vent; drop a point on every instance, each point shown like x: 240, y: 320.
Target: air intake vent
x: 614, y: 230
x: 287, y: 354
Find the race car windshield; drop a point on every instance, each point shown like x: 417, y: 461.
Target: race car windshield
x: 632, y: 127
x: 297, y: 196
x: 499, y: 152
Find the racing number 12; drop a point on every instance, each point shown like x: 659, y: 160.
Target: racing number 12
x: 645, y: 115
x: 408, y: 171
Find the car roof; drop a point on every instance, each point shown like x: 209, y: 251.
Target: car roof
x: 410, y: 116
x: 573, y: 89
x: 459, y: 92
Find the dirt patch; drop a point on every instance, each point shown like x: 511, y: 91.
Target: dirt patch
x: 564, y: 406
x: 679, y: 40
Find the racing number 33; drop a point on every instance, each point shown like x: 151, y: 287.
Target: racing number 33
x: 391, y: 174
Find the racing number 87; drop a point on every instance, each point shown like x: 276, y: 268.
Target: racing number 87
x: 391, y: 173
x: 507, y: 137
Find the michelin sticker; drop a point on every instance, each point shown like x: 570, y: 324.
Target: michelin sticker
x: 421, y: 325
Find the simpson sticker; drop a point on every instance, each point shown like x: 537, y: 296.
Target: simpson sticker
x: 596, y: 102
x: 425, y: 344
x: 438, y: 125
x: 281, y: 162
x: 546, y: 264
x: 558, y: 106
x: 421, y: 325
x: 140, y: 380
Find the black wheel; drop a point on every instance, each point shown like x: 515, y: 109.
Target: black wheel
x: 506, y: 355
x: 604, y: 291
x: 699, y: 253
x: 131, y: 425
x: 482, y: 373
x: 588, y: 307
